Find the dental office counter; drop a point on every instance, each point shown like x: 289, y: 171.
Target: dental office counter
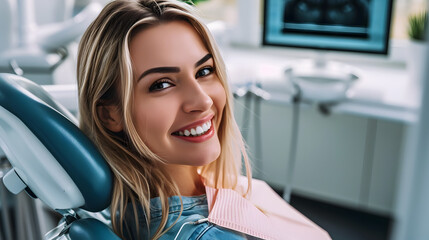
x: 350, y: 157
x: 381, y: 92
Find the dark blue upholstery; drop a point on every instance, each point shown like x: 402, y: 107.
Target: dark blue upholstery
x: 73, y: 150
x: 91, y: 229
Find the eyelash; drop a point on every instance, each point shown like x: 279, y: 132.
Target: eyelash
x: 211, y: 70
x: 156, y: 85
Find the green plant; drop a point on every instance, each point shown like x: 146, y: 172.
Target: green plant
x: 193, y: 2
x: 417, y: 29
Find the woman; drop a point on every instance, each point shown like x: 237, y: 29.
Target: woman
x: 154, y: 98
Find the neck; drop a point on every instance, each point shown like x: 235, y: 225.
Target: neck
x: 187, y: 179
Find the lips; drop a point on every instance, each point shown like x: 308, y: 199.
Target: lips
x: 199, y: 131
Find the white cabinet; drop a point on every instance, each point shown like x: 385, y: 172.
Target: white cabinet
x: 384, y: 174
x: 344, y: 159
x: 275, y: 140
x: 330, y: 157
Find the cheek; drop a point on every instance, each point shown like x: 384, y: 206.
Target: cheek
x: 219, y: 98
x: 152, y: 120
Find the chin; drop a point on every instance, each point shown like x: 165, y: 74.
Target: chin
x: 205, y: 160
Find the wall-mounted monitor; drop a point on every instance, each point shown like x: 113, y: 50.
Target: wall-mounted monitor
x: 343, y: 25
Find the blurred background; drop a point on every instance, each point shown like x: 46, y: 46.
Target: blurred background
x: 329, y: 95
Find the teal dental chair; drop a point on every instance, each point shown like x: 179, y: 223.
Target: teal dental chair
x: 53, y: 160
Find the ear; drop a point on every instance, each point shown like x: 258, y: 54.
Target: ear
x: 110, y: 117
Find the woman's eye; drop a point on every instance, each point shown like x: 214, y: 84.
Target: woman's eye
x: 204, y: 72
x: 157, y: 86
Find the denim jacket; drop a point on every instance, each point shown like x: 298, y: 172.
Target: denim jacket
x: 194, y: 208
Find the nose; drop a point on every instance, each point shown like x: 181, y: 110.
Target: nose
x: 196, y: 97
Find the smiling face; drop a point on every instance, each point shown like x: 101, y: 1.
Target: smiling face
x: 178, y: 97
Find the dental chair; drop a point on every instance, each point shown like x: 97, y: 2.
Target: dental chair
x: 53, y: 160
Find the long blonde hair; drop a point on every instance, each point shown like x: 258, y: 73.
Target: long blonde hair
x: 105, y: 78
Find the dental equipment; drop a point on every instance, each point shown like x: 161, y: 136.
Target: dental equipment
x: 203, y: 220
x: 320, y: 82
x: 296, y: 99
x: 5, y: 216
x: 253, y: 91
x: 32, y: 49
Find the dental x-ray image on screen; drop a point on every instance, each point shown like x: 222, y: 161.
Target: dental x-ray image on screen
x: 345, y: 25
x: 329, y: 17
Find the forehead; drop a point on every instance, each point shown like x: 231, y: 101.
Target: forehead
x: 167, y: 44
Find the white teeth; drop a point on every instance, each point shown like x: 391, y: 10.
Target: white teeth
x: 199, y: 130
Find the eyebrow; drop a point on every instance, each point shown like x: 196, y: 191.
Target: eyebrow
x: 172, y: 69
x: 203, y: 60
x: 159, y: 70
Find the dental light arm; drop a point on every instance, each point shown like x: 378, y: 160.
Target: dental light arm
x: 51, y: 36
x: 37, y: 47
x: 26, y: 22
x: 56, y: 35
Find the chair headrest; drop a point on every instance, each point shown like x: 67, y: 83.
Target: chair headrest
x: 48, y: 152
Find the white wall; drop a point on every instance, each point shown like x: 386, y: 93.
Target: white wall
x: 413, y: 197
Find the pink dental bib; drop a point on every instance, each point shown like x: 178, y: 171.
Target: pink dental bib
x: 265, y: 215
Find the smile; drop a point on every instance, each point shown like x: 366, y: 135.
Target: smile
x: 195, y: 131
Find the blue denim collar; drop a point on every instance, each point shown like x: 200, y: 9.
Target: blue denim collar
x: 174, y: 204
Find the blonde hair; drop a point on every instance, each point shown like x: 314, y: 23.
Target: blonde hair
x: 105, y: 78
